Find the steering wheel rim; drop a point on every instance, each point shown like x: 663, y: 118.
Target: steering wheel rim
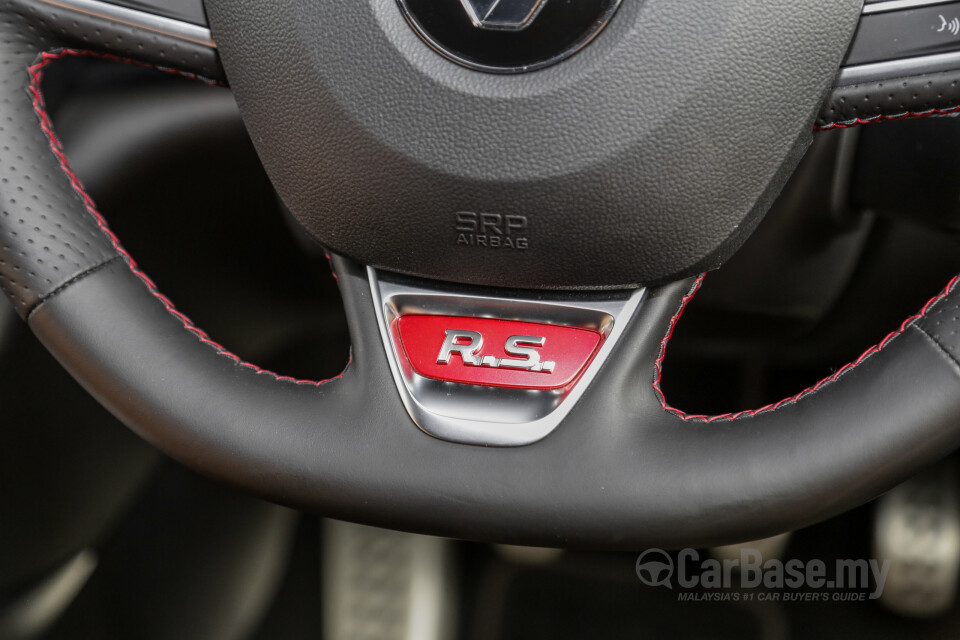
x: 625, y: 469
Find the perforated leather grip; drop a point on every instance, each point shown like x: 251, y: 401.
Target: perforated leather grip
x: 49, y: 235
x: 893, y: 99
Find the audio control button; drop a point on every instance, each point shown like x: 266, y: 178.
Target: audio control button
x: 891, y: 35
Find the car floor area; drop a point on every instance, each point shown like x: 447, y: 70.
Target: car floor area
x: 196, y: 560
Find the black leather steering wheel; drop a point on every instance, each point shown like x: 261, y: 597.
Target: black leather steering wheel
x: 623, y: 468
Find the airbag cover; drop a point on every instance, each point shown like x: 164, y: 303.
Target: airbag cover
x: 647, y: 156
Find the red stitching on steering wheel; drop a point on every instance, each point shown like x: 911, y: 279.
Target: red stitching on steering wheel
x: 792, y: 399
x: 856, y: 122
x: 36, y: 76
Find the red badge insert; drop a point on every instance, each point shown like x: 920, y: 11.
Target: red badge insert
x: 498, y: 353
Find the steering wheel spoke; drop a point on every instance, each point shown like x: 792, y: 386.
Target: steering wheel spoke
x: 904, y: 61
x: 179, y: 40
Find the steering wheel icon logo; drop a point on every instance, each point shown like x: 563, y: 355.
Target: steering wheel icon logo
x: 655, y: 568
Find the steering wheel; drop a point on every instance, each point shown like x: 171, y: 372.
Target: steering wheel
x: 518, y: 203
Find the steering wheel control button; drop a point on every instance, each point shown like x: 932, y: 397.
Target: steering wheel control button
x: 497, y: 353
x: 494, y: 367
x: 918, y: 31
x: 507, y: 36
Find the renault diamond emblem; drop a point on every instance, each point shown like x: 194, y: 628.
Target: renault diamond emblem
x: 502, y: 15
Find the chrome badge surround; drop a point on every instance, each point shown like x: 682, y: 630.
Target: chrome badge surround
x: 493, y: 416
